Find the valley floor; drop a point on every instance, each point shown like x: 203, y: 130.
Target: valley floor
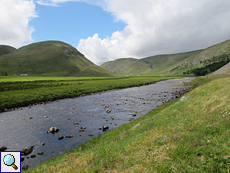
x: 189, y: 134
x: 16, y: 92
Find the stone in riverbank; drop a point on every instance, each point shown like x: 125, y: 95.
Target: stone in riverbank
x: 25, y: 167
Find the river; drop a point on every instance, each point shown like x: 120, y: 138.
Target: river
x: 81, y: 117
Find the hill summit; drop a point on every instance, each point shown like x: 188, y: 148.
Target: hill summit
x: 4, y: 49
x: 49, y: 58
x: 169, y: 64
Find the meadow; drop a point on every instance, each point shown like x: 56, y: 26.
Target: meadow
x: 189, y: 135
x: 16, y: 92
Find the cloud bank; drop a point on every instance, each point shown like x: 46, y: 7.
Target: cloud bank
x: 14, y: 22
x: 53, y: 2
x: 159, y: 27
x: 153, y: 26
x: 58, y: 2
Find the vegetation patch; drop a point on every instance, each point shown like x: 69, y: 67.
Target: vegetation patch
x: 23, y: 91
x: 210, y: 65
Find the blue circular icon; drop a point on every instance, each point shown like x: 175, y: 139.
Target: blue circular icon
x: 9, y: 159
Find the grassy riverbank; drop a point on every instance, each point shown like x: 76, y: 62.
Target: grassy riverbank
x: 22, y: 91
x: 179, y: 136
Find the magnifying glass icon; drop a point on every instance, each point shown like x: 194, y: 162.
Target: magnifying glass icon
x: 9, y: 160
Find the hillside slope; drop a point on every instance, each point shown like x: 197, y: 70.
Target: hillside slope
x: 4, y: 49
x: 127, y: 66
x: 169, y: 64
x: 225, y: 69
x: 49, y: 58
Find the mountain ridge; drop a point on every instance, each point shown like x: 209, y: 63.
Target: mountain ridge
x: 5, y: 49
x: 168, y: 64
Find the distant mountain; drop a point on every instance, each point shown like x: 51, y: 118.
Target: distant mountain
x: 126, y: 66
x: 4, y: 49
x: 169, y: 64
x: 49, y: 58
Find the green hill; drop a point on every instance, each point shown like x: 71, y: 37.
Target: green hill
x: 4, y: 49
x: 127, y: 66
x: 49, y: 58
x: 169, y: 64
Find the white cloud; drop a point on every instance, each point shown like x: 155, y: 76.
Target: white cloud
x: 153, y: 26
x: 157, y: 27
x: 53, y: 2
x: 57, y: 2
x: 14, y: 22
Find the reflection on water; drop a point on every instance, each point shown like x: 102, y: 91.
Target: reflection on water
x: 27, y: 127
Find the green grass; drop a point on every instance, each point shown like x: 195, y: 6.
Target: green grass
x: 22, y: 78
x: 22, y: 91
x: 188, y: 136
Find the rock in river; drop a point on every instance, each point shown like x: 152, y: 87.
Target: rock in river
x: 60, y: 137
x: 33, y: 156
x: 53, y: 130
x: 26, y: 151
x: 3, y: 148
x: 40, y: 153
x: 108, y: 111
x: 69, y: 136
x: 105, y: 128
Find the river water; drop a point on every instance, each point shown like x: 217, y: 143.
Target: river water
x: 28, y: 127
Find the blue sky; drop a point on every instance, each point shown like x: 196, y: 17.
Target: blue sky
x: 104, y: 30
x: 71, y: 21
